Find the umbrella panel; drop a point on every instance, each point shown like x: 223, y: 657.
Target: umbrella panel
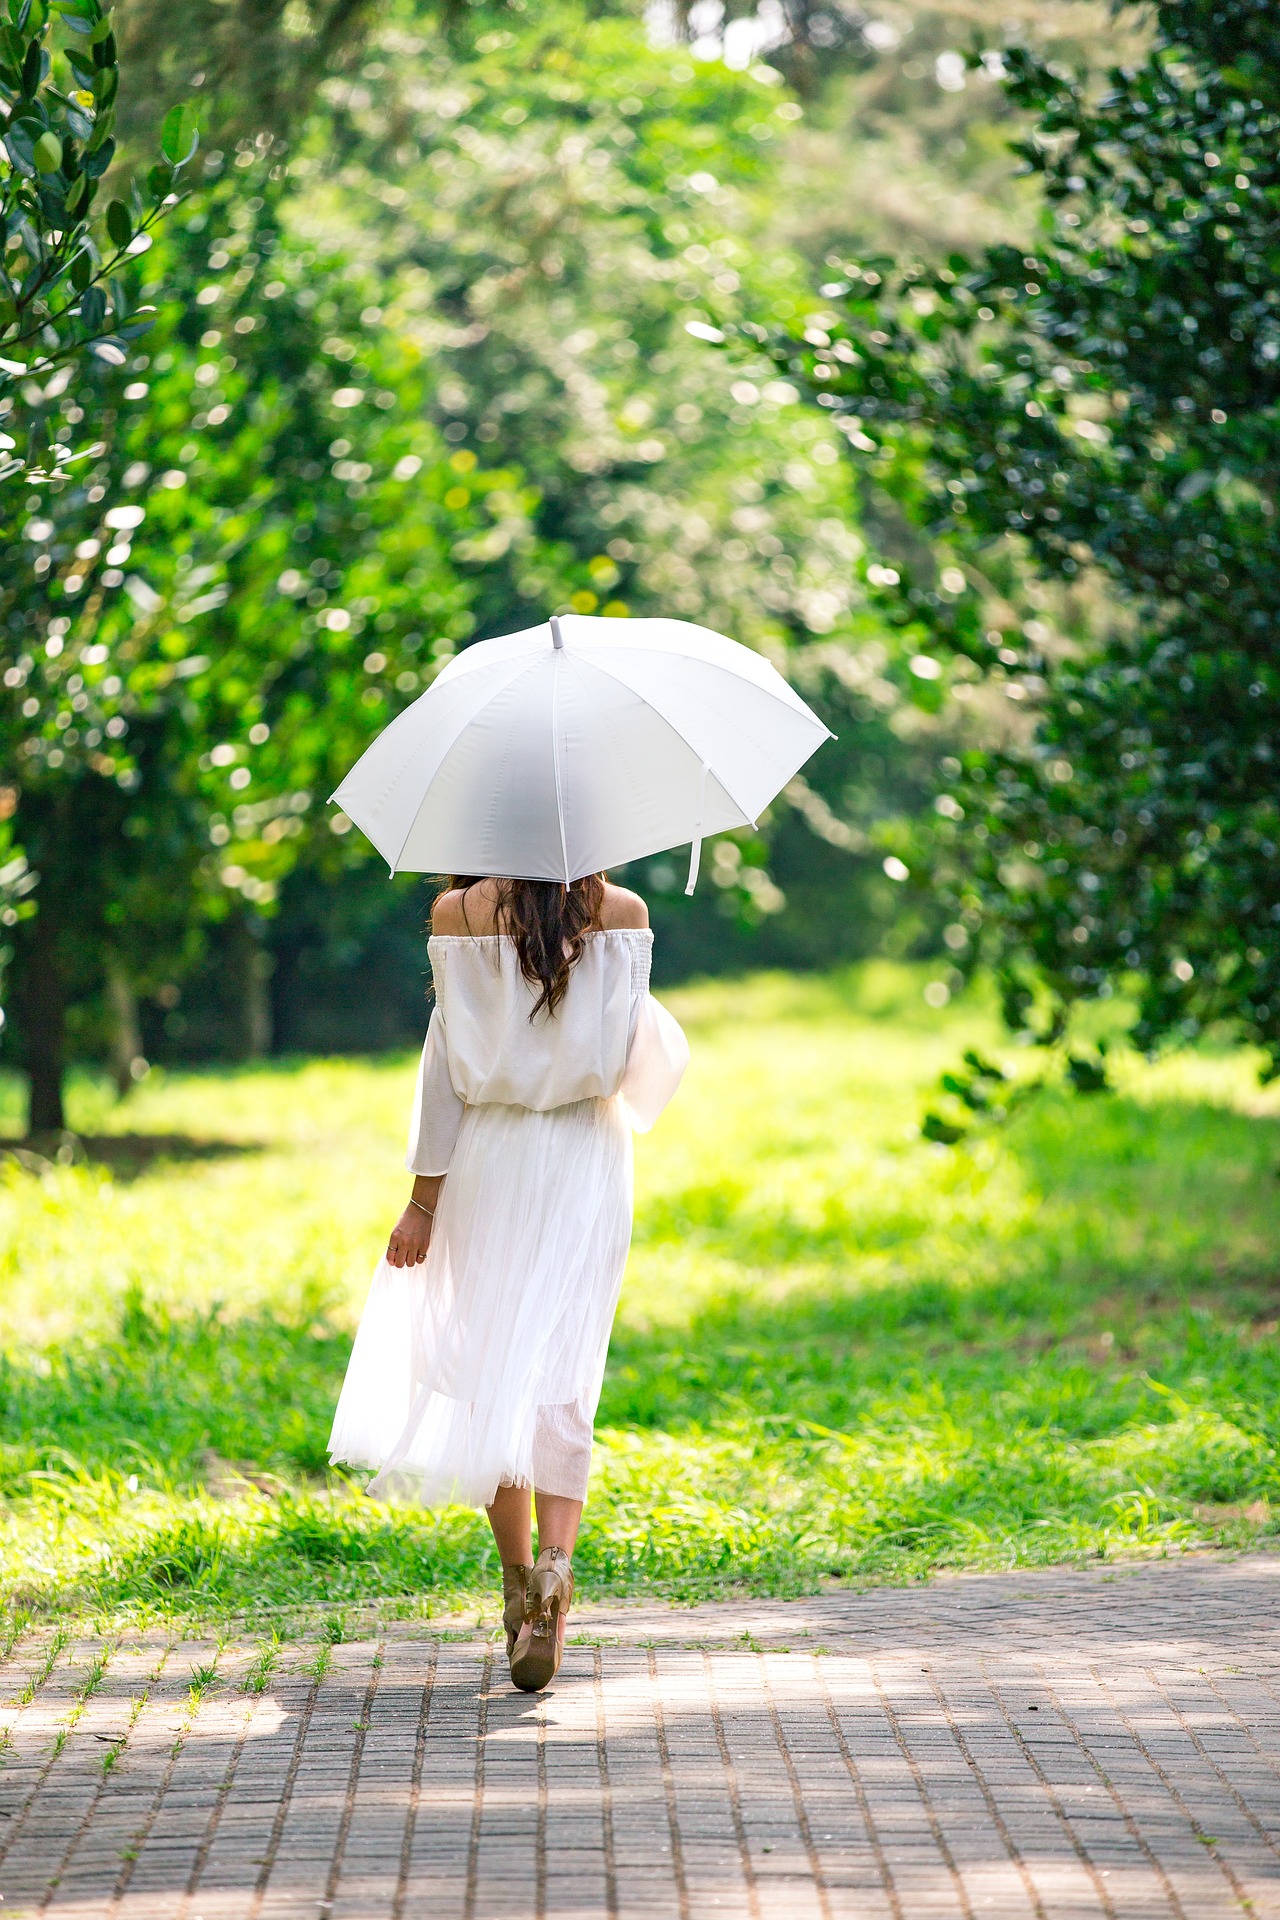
x: 619, y: 784
x: 752, y: 739
x: 383, y: 791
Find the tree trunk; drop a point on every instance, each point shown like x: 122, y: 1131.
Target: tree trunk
x: 258, y: 1008
x: 127, y: 1063
x: 43, y: 1007
x: 249, y: 967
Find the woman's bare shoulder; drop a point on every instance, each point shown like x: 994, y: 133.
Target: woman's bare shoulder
x: 463, y: 910
x: 471, y: 910
x: 621, y: 908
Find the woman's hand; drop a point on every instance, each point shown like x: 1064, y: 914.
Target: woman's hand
x: 411, y: 1235
x: 410, y: 1238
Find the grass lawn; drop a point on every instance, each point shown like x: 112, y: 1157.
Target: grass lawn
x: 841, y: 1353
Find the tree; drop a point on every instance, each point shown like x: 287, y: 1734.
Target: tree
x: 205, y: 625
x: 1101, y: 410
x: 62, y: 291
x: 252, y: 66
x: 551, y: 203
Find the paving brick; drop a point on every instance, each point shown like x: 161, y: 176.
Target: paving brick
x: 1054, y: 1745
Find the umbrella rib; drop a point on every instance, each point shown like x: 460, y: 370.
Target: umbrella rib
x: 555, y: 758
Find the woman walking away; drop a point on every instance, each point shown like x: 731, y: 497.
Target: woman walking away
x: 479, y: 1359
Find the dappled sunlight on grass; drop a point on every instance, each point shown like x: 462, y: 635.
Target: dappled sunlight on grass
x: 300, y: 1219
x: 841, y: 1351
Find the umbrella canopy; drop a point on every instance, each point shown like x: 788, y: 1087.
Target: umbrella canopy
x: 577, y: 745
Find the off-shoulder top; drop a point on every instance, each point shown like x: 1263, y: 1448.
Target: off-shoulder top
x: 607, y: 1036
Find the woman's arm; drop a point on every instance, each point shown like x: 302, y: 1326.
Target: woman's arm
x: 411, y: 1235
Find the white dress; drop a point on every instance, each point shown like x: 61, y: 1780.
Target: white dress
x: 482, y: 1366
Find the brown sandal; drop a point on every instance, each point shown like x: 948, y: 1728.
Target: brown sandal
x: 535, y: 1659
x: 515, y: 1580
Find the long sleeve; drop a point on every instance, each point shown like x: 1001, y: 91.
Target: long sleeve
x: 656, y: 1060
x: 437, y: 1107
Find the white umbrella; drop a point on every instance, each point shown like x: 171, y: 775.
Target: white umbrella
x: 577, y: 745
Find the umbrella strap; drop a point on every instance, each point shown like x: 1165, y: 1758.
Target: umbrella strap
x: 695, y: 851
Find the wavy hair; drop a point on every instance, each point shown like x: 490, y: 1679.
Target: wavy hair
x: 548, y: 924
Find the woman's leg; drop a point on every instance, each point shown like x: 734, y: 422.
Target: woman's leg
x: 509, y: 1518
x: 558, y: 1521
x: 512, y: 1528
x: 562, y: 1455
x: 561, y: 1458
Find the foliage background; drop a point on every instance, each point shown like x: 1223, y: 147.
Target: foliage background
x: 421, y: 371
x: 493, y: 229
x: 1084, y: 421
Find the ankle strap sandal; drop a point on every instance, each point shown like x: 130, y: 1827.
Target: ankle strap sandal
x: 535, y: 1658
x: 515, y: 1580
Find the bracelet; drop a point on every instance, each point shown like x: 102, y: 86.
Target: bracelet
x: 429, y: 1211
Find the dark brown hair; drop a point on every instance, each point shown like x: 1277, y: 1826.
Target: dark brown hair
x: 548, y: 923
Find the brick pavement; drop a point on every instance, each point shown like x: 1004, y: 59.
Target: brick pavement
x: 1059, y: 1744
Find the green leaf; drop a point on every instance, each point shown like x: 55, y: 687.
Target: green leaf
x: 20, y: 143
x: 159, y: 180
x: 972, y: 1094
x: 81, y: 267
x: 1087, y: 1076
x: 99, y: 158
x: 48, y: 153
x: 53, y: 208
x: 119, y: 224
x: 93, y: 306
x: 31, y: 69
x: 179, y: 137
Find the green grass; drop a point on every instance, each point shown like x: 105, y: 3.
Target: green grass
x: 841, y: 1351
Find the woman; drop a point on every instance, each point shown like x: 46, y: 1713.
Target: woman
x: 477, y: 1367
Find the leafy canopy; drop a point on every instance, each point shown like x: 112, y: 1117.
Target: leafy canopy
x: 62, y: 289
x: 205, y: 623
x: 1105, y: 407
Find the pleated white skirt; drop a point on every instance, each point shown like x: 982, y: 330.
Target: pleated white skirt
x: 483, y: 1366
